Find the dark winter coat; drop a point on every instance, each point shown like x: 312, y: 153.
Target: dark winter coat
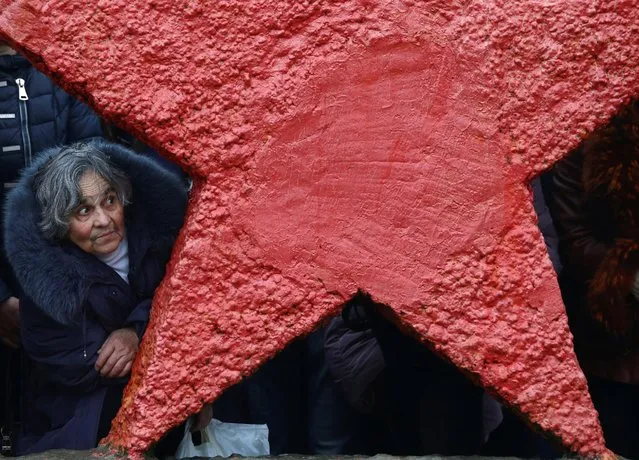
x: 595, y: 208
x: 47, y: 118
x: 72, y: 301
x: 423, y: 404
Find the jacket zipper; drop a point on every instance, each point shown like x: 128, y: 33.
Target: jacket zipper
x: 84, y: 332
x: 23, y: 97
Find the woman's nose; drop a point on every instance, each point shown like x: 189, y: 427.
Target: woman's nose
x: 101, y: 217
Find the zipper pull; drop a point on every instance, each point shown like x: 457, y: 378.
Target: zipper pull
x: 22, y: 91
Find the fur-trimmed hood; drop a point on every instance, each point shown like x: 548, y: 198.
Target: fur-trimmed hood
x: 51, y: 275
x: 611, y: 177
x: 611, y: 169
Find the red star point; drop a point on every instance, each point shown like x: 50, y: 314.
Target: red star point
x: 353, y: 145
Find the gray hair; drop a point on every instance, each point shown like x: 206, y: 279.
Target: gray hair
x: 57, y: 185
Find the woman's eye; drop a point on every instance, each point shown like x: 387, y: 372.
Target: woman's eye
x: 111, y: 200
x: 84, y: 211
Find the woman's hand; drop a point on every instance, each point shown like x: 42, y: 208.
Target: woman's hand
x: 116, y: 355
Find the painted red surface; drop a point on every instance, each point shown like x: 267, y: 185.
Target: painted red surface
x: 342, y: 145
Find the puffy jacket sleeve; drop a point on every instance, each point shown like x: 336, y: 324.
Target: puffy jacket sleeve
x: 64, y: 355
x: 81, y: 377
x: 105, y: 311
x: 139, y: 317
x: 582, y: 249
x: 113, y: 309
x: 83, y: 123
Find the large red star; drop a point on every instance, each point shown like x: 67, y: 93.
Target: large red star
x: 384, y: 146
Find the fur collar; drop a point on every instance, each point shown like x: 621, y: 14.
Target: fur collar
x: 611, y: 179
x: 53, y: 276
x: 611, y: 169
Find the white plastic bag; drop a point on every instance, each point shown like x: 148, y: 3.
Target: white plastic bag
x: 220, y: 439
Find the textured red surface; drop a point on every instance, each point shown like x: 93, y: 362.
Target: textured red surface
x: 341, y: 145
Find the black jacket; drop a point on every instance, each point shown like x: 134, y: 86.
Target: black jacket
x: 49, y: 117
x: 72, y: 301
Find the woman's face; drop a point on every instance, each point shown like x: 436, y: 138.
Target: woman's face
x: 97, y: 224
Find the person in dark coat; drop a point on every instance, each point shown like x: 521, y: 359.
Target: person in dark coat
x: 595, y: 207
x: 35, y: 114
x: 90, y: 229
x: 419, y: 404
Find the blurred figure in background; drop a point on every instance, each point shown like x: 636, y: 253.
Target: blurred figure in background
x: 35, y: 114
x: 595, y: 207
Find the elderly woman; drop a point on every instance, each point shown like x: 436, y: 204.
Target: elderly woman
x: 90, y: 230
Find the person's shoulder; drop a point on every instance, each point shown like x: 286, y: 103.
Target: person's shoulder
x: 39, y: 84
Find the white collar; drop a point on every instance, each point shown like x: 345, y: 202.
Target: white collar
x: 118, y: 260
